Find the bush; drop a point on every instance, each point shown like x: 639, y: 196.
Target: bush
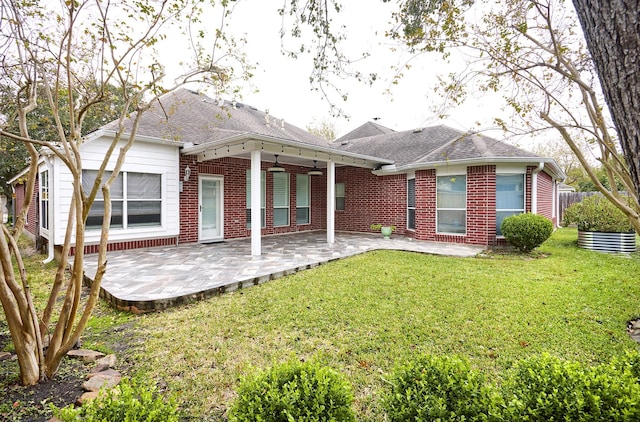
x: 597, y: 214
x: 439, y: 388
x: 294, y: 391
x: 526, y: 231
x: 130, y: 401
x: 546, y: 388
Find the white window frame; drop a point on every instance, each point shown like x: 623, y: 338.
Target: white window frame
x: 124, y: 200
x: 45, y: 190
x: 338, y: 196
x: 515, y: 211
x: 438, y: 208
x: 263, y: 195
x: 300, y: 178
x: 287, y: 195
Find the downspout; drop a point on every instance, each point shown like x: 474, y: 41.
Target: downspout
x: 534, y: 188
x: 50, y: 247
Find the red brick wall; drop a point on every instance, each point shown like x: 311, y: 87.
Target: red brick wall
x: 545, y: 196
x: 32, y: 216
x: 371, y: 199
x: 481, y: 205
x: 425, y: 205
x: 233, y: 170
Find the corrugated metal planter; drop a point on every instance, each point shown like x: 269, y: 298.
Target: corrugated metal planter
x: 607, y: 242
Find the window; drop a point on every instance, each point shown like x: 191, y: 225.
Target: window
x: 339, y: 196
x: 509, y: 197
x: 451, y: 204
x: 44, y: 199
x: 136, y: 200
x: 303, y: 199
x: 280, y: 199
x: 411, y: 204
x: 263, y: 208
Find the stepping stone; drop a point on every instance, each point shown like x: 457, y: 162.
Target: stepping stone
x: 101, y: 381
x: 107, y: 373
x: 109, y: 360
x: 87, y: 396
x: 85, y: 354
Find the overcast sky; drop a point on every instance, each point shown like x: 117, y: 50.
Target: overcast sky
x: 284, y: 88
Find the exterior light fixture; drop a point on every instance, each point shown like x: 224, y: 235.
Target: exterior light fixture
x: 315, y: 171
x: 277, y: 168
x: 187, y: 174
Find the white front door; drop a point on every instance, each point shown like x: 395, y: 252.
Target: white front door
x: 210, y: 206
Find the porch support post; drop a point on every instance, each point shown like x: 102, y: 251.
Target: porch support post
x: 256, y: 218
x: 331, y: 201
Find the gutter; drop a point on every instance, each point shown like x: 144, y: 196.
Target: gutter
x: 534, y: 187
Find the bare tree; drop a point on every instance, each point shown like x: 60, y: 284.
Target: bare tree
x: 533, y: 53
x: 85, y: 52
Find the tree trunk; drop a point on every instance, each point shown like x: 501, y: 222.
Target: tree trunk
x: 612, y: 31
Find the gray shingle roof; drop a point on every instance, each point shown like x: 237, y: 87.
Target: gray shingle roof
x: 190, y: 117
x: 432, y: 145
x: 187, y: 116
x: 364, y: 131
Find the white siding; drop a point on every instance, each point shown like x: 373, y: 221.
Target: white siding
x: 143, y: 157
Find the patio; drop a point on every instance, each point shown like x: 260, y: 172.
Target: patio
x: 159, y: 278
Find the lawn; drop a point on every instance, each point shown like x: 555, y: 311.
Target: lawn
x: 364, y: 314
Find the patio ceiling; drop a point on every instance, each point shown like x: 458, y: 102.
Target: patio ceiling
x: 288, y: 151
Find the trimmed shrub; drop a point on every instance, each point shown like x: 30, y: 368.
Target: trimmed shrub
x: 526, y: 231
x: 129, y: 401
x: 439, y: 388
x: 545, y: 388
x: 294, y: 391
x: 596, y: 214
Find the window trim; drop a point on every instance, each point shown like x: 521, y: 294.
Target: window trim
x: 438, y: 209
x: 524, y: 198
x: 44, y: 199
x: 409, y: 207
x: 306, y: 177
x: 344, y: 194
x: 287, y: 188
x: 125, y: 226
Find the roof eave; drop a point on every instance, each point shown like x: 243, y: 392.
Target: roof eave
x: 251, y: 136
x: 550, y: 165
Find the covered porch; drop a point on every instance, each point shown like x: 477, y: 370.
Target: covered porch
x: 159, y: 278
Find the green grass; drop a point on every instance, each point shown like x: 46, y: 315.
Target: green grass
x: 364, y: 314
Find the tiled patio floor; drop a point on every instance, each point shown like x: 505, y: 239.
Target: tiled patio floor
x: 158, y: 278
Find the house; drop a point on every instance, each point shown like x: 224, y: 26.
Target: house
x: 206, y: 170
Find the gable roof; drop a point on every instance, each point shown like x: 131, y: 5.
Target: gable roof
x: 364, y: 131
x: 197, y: 119
x: 433, y: 145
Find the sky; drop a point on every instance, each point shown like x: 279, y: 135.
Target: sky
x: 283, y: 83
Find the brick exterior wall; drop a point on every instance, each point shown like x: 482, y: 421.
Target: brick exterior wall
x: 481, y: 205
x: 233, y: 171
x: 425, y: 205
x: 32, y: 216
x: 545, y: 196
x: 371, y: 199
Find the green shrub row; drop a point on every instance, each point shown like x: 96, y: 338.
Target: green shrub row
x: 428, y: 388
x: 541, y: 388
x: 443, y: 388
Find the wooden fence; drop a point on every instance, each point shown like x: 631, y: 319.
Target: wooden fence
x: 568, y: 198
